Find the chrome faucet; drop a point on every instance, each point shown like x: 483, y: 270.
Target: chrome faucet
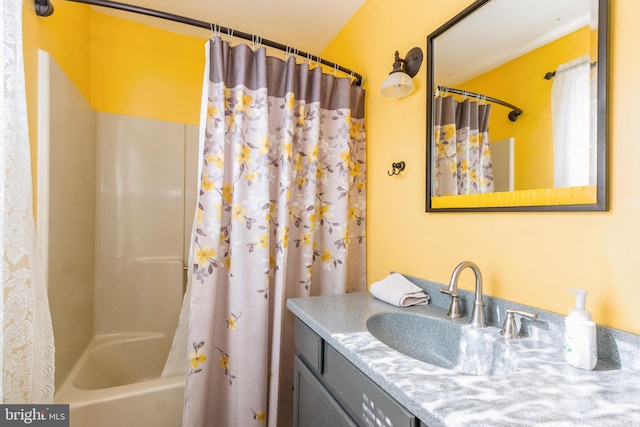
x: 477, y: 314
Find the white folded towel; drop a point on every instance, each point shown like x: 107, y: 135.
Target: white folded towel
x: 398, y: 290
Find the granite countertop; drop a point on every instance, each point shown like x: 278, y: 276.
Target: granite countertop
x: 544, y: 390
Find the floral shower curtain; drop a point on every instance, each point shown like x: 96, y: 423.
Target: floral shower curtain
x: 573, y: 109
x: 462, y: 153
x: 26, y: 337
x: 280, y: 214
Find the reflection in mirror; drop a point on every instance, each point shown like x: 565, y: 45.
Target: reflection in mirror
x: 517, y: 117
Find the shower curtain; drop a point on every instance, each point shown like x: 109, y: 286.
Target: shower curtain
x: 280, y: 214
x: 573, y: 109
x: 26, y: 337
x: 462, y: 153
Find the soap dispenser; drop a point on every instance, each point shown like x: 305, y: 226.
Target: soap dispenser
x: 580, y: 346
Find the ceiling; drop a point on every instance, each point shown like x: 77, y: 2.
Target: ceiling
x: 503, y: 30
x: 306, y: 25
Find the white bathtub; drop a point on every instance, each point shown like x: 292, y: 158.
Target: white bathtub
x: 117, y: 382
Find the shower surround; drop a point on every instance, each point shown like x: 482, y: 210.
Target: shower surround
x: 116, y: 197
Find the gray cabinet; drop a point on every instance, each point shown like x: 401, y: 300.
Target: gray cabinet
x: 313, y: 404
x: 330, y: 391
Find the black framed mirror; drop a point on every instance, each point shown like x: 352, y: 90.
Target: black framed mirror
x: 517, y: 120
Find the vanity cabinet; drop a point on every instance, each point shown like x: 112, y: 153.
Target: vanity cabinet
x: 314, y: 405
x: 329, y: 391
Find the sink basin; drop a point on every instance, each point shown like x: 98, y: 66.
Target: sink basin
x: 446, y: 343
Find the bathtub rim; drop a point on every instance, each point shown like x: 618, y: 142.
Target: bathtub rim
x: 69, y: 393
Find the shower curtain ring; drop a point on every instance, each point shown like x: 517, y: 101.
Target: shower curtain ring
x: 255, y: 42
x: 215, y: 30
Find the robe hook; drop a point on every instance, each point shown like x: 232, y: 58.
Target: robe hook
x: 396, y: 168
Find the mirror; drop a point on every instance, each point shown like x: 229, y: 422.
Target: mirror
x: 540, y: 152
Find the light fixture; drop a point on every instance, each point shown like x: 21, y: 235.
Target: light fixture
x: 399, y: 84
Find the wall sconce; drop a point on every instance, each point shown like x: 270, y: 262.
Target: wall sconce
x: 399, y: 84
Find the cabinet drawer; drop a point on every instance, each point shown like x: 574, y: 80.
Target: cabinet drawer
x: 368, y: 402
x: 308, y: 345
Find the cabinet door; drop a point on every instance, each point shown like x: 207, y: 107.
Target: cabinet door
x: 313, y: 404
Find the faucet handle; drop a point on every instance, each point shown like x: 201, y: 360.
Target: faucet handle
x: 454, y: 308
x: 453, y: 293
x: 509, y: 328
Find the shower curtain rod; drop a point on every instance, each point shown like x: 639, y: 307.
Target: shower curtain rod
x: 41, y: 5
x: 552, y: 74
x: 513, y: 114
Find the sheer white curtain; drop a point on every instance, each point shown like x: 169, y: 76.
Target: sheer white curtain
x: 572, y: 99
x: 26, y: 336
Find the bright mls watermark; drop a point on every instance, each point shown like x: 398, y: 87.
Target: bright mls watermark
x: 34, y: 415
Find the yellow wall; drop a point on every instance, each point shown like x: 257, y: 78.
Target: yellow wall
x: 525, y: 257
x: 142, y: 71
x: 520, y: 82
